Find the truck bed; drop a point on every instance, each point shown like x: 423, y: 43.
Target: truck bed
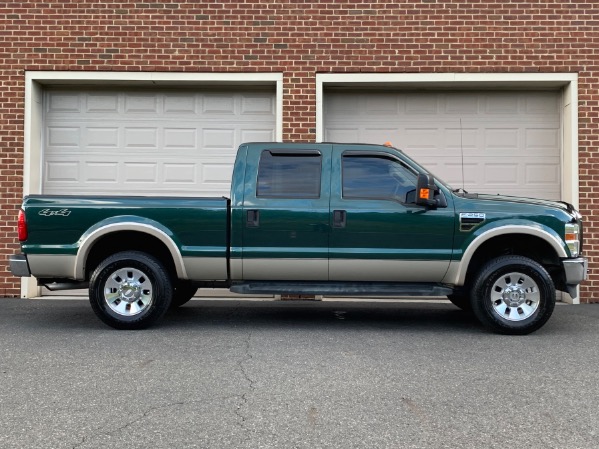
x: 63, y: 225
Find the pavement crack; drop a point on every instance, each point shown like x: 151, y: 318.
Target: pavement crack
x: 143, y: 416
x: 250, y: 382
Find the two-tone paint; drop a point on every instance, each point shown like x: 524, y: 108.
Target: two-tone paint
x: 194, y: 231
x: 220, y: 239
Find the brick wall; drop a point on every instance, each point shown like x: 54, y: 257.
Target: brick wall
x: 298, y: 38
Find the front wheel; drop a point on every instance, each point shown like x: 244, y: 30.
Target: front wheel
x: 130, y: 290
x: 513, y: 295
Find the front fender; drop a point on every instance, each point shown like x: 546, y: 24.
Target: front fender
x: 456, y: 274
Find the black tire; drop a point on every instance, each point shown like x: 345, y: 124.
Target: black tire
x: 130, y: 290
x: 461, y: 300
x: 183, y: 293
x: 513, y: 295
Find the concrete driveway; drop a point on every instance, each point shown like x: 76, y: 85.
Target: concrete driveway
x: 263, y: 374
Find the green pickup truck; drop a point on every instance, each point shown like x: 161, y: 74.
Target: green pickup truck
x: 305, y: 218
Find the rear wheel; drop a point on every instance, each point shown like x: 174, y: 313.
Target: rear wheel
x: 513, y: 295
x: 130, y: 290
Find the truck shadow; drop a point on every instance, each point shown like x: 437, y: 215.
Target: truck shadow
x: 424, y: 316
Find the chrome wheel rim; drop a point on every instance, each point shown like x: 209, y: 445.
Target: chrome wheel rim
x: 128, y: 292
x: 515, y: 296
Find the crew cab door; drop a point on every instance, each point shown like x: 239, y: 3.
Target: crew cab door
x: 286, y: 213
x: 377, y: 232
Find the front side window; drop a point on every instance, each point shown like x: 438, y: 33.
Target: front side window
x: 377, y: 177
x: 289, y: 175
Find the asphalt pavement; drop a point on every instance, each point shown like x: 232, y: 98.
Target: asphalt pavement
x: 301, y: 374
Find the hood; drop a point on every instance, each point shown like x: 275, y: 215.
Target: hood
x: 561, y: 205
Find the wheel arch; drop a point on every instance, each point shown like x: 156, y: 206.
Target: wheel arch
x: 539, y: 244
x: 110, y: 238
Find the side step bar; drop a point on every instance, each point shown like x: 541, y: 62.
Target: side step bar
x: 341, y: 288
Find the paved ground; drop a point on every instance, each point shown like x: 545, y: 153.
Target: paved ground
x: 232, y: 374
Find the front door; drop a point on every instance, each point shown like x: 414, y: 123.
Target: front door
x: 377, y: 232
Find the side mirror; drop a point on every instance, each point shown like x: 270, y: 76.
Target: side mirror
x: 425, y: 191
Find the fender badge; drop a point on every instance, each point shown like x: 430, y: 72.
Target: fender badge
x: 468, y: 220
x: 57, y: 213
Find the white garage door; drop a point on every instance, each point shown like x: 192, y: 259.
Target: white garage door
x: 150, y: 142
x: 511, y: 140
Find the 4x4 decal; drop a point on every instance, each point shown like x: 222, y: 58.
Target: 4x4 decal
x: 51, y: 213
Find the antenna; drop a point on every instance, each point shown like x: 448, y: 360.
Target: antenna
x: 462, y: 152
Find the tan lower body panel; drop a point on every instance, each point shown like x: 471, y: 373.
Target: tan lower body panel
x: 286, y: 269
x: 52, y: 265
x: 205, y: 268
x: 387, y: 270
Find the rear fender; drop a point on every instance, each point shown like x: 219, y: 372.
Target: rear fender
x: 127, y: 223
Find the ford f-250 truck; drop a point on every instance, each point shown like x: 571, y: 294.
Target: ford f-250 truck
x: 324, y: 219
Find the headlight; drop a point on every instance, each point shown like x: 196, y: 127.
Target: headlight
x: 572, y: 233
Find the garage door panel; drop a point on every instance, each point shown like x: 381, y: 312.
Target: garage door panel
x: 260, y: 105
x: 217, y: 174
x: 180, y: 138
x: 257, y: 135
x: 100, y: 172
x: 415, y: 104
x: 460, y: 104
x: 101, y: 102
x: 141, y: 103
x: 63, y: 172
x: 541, y: 140
x: 179, y: 173
x: 344, y: 135
x: 158, y: 142
x: 145, y: 138
x: 542, y: 174
x: 62, y: 136
x: 541, y: 103
x: 101, y: 138
x: 64, y: 102
x: 510, y: 141
x: 218, y: 138
x: 504, y: 105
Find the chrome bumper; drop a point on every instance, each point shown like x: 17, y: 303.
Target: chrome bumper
x: 575, y: 271
x: 18, y: 265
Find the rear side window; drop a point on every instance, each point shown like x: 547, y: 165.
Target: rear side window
x: 289, y: 175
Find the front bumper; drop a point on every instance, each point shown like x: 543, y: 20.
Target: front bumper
x: 575, y: 271
x: 19, y: 266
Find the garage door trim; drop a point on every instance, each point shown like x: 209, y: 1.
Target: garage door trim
x: 33, y: 125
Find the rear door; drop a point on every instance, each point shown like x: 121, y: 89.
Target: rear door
x: 286, y: 213
x: 377, y: 232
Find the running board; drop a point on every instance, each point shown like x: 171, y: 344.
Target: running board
x: 340, y: 288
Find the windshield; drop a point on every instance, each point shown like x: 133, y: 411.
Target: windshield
x: 422, y: 169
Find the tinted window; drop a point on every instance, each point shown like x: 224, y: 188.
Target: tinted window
x: 377, y: 177
x: 289, y: 175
